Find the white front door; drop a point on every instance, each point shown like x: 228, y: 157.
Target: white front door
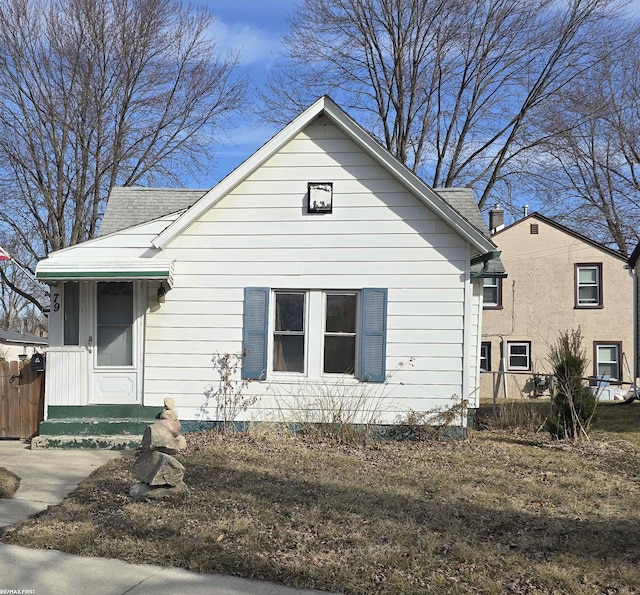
x: 116, y: 343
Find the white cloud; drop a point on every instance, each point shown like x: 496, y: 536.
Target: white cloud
x: 254, y: 44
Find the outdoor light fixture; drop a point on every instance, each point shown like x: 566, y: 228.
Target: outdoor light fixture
x: 161, y: 293
x: 320, y: 197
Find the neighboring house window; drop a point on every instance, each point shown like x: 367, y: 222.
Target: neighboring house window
x: 588, y: 285
x: 519, y: 355
x: 607, y: 361
x: 492, y: 292
x: 71, y: 313
x: 485, y: 356
x: 315, y: 332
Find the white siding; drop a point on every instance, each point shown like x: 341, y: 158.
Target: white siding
x: 66, y: 380
x: 378, y: 235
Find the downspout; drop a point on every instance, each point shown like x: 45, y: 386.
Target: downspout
x: 636, y: 331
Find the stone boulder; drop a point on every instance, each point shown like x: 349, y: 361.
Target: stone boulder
x: 158, y: 436
x: 158, y: 469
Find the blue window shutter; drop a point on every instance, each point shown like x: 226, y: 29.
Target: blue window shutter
x: 255, y: 324
x: 374, y: 335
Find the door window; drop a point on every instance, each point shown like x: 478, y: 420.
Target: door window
x: 115, y: 324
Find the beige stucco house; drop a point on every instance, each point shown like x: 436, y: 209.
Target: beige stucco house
x: 557, y: 280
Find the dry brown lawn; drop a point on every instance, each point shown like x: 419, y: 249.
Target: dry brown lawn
x: 504, y: 511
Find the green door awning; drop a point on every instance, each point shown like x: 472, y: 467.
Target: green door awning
x: 131, y: 269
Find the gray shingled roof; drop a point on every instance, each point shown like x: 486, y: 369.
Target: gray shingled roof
x: 21, y: 338
x: 463, y: 201
x: 132, y: 205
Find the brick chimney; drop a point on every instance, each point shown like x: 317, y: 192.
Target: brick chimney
x: 496, y: 219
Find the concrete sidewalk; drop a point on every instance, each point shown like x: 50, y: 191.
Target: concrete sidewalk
x: 47, y: 476
x: 48, y: 572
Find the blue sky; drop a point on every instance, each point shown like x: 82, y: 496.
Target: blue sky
x: 254, y: 29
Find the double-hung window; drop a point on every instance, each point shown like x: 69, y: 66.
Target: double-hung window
x: 607, y: 359
x: 314, y: 332
x: 519, y: 355
x: 339, y: 354
x: 492, y: 292
x: 588, y: 290
x: 289, y: 332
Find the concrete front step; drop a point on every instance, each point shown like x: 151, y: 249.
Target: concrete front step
x: 94, y: 426
x: 106, y: 442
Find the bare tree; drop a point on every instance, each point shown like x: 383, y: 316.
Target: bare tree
x: 97, y: 93
x: 453, y: 88
x: 588, y: 171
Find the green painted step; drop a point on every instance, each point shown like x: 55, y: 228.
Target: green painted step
x: 104, y: 411
x: 93, y: 426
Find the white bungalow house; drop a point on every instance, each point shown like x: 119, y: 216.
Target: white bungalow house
x: 321, y: 262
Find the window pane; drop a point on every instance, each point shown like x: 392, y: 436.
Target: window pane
x: 115, y: 303
x: 289, y: 312
x: 339, y: 354
x: 588, y: 294
x: 341, y: 313
x: 607, y: 353
x: 610, y: 370
x: 71, y: 311
x: 518, y: 350
x: 589, y: 275
x: 485, y: 357
x: 288, y: 353
x: 114, y: 346
x: 115, y: 324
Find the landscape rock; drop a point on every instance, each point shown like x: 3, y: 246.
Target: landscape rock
x: 160, y: 473
x: 173, y: 425
x: 157, y: 468
x: 169, y: 414
x: 158, y: 437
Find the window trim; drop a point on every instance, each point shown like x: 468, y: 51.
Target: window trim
x: 491, y: 305
x: 487, y: 358
x: 618, y: 346
x: 576, y: 290
x: 511, y: 344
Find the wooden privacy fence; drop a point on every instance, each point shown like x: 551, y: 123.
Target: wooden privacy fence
x: 21, y: 400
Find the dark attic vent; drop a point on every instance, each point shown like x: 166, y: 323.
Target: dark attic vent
x: 533, y: 229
